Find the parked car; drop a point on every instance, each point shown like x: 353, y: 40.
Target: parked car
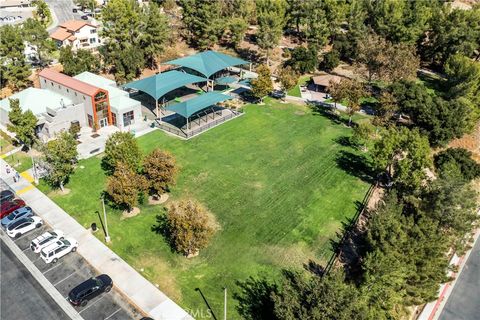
x: 22, y: 212
x: 84, y: 17
x: 23, y: 225
x: 89, y: 289
x: 11, y: 205
x: 45, y: 240
x: 58, y: 249
x: 6, y: 195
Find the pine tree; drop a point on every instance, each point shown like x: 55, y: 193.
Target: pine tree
x: 155, y: 33
x: 14, y: 71
x: 271, y: 18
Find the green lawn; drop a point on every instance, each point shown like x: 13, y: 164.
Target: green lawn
x: 20, y: 160
x: 271, y: 177
x: 295, y: 91
x: 5, y: 143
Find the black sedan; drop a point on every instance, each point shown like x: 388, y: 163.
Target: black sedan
x: 89, y: 289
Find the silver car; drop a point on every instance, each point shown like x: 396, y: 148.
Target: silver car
x: 23, y: 212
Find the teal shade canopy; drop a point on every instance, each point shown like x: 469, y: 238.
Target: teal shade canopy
x: 191, y: 106
x: 208, y: 62
x: 160, y: 84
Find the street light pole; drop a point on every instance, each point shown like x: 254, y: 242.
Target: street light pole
x: 107, y: 236
x: 225, y: 304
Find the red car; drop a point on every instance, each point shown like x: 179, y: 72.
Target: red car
x: 8, y: 206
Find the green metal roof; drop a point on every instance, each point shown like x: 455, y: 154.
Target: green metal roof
x: 162, y: 83
x: 208, y: 62
x: 189, y: 107
x: 37, y: 100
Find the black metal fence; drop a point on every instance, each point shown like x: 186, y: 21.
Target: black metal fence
x: 361, y: 210
x: 188, y: 134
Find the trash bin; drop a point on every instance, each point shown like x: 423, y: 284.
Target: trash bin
x: 94, y: 227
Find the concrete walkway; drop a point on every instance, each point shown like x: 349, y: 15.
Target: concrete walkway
x: 139, y: 291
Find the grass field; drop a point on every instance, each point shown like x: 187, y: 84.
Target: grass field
x: 20, y: 160
x: 295, y: 91
x: 279, y: 179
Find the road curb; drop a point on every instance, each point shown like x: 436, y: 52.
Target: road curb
x: 46, y: 285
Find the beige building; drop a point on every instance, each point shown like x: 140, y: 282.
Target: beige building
x: 77, y: 34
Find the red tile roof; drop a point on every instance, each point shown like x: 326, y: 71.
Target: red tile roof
x: 60, y: 34
x: 74, y: 25
x: 69, y: 82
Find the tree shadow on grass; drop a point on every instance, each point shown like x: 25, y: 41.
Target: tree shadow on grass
x: 162, y: 229
x: 255, y: 298
x: 327, y: 111
x: 356, y: 165
x: 345, y: 141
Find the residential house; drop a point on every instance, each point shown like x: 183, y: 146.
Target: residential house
x: 78, y: 34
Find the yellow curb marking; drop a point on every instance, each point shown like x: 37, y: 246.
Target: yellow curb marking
x: 27, y: 176
x: 3, y: 156
x: 30, y: 187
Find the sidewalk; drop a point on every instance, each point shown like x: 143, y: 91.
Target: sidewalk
x: 127, y: 280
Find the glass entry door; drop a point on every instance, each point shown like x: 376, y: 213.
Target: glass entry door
x: 103, y: 122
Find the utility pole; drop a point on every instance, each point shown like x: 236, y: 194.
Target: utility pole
x: 225, y: 304
x: 107, y: 236
x: 35, y: 175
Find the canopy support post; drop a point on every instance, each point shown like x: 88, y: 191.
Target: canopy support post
x: 157, y: 111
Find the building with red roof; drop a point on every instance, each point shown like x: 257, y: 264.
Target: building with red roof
x: 77, y: 34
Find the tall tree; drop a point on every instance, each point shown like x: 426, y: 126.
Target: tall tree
x: 202, y: 22
x: 385, y: 109
x: 288, y: 78
x: 441, y: 120
x: 463, y: 79
x: 316, y: 23
x: 303, y: 59
x: 23, y: 124
x: 405, y: 154
x: 77, y: 62
x: 312, y: 297
x: 121, y: 30
x: 155, y: 33
x: 453, y: 204
x: 271, y: 18
x: 350, y: 92
x: 121, y: 147
x: 262, y: 85
x: 401, y: 21
x: 385, y: 61
x: 160, y: 169
x: 14, y: 71
x: 451, y: 31
x: 34, y: 33
x: 457, y: 163
x: 42, y: 12
x: 125, y: 185
x: 60, y: 156
x: 190, y: 226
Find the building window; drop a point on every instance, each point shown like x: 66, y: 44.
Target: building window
x: 114, y: 119
x: 90, y: 121
x: 100, y: 96
x: 44, y: 81
x: 59, y: 87
x: 51, y: 83
x: 93, y: 40
x: 93, y: 31
x: 84, y: 98
x: 76, y: 94
x: 128, y: 118
x: 68, y: 90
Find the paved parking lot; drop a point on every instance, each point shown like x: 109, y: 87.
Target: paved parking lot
x: 71, y: 270
x: 17, y: 285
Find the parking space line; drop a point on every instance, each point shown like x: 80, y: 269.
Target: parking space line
x: 92, y: 303
x: 54, y: 267
x: 37, y: 259
x: 113, y: 314
x: 55, y: 284
x: 25, y: 249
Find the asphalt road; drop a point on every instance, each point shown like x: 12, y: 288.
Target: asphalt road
x: 19, y: 288
x: 63, y: 10
x: 464, y: 301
